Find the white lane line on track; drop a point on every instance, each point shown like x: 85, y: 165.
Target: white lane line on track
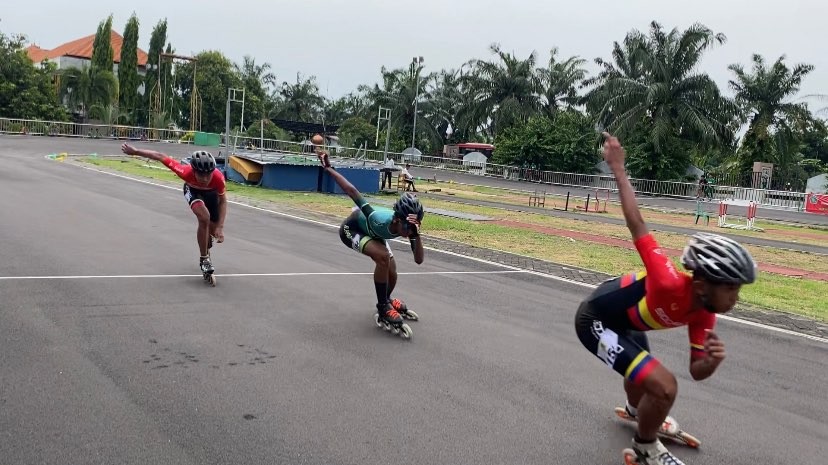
x: 480, y: 260
x: 245, y: 275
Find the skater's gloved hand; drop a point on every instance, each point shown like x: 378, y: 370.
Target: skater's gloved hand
x: 128, y: 149
x: 714, y: 348
x: 323, y: 158
x: 218, y: 233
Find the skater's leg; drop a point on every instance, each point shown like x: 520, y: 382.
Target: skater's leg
x: 382, y: 265
x: 651, y: 397
x: 203, y: 231
x: 635, y: 392
x: 660, y: 388
x: 634, y: 395
x: 392, y: 276
x: 650, y: 387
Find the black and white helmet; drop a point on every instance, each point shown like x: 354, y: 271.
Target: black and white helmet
x: 408, y: 204
x: 719, y: 259
x: 203, y: 162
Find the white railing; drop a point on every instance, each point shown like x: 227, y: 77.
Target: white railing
x: 675, y: 189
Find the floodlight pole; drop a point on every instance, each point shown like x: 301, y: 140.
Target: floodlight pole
x: 232, y: 97
x: 384, y: 114
x: 416, y: 63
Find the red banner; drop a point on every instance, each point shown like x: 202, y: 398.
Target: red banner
x: 816, y: 203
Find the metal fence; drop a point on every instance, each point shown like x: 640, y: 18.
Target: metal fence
x: 686, y: 190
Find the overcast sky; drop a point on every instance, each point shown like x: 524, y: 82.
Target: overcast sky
x: 345, y: 42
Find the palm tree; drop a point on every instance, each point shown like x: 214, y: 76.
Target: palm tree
x: 109, y: 114
x: 764, y: 97
x: 503, y: 92
x: 559, y: 80
x: 652, y: 89
x: 448, y: 101
x: 257, y: 80
x: 83, y: 88
x: 300, y: 101
x: 250, y: 71
x: 400, y: 87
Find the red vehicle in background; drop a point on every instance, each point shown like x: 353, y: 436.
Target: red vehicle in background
x: 459, y: 150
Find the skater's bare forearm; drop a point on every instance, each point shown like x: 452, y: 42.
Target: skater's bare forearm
x: 222, y: 208
x: 417, y: 247
x: 629, y: 206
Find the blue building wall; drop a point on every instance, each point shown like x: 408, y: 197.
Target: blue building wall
x: 290, y: 177
x: 233, y: 175
x: 306, y: 178
x: 365, y: 180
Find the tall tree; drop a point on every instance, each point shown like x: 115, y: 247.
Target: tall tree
x: 398, y: 91
x: 505, y: 91
x: 565, y: 142
x: 128, y: 78
x: 301, y: 100
x: 654, y: 87
x: 215, y: 75
x: 559, y: 81
x: 26, y: 91
x: 102, y: 54
x: 764, y: 96
x: 158, y: 39
x: 87, y: 88
x: 256, y: 80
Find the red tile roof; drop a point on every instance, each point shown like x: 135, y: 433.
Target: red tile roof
x: 36, y: 53
x: 82, y: 48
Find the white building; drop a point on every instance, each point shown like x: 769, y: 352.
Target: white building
x: 78, y: 53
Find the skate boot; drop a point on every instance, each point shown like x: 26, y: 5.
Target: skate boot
x: 650, y: 454
x: 390, y: 320
x: 207, y: 270
x: 670, y: 426
x: 403, y: 310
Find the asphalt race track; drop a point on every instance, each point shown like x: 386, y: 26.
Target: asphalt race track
x: 115, y: 351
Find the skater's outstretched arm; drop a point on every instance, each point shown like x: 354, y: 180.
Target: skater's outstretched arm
x: 151, y: 154
x: 343, y: 183
x: 614, y: 155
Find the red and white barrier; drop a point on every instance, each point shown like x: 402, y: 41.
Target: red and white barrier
x: 750, y: 218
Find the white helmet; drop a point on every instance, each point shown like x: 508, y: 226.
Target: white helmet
x: 719, y: 259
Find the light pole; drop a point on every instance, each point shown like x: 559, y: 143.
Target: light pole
x: 232, y: 96
x: 416, y: 63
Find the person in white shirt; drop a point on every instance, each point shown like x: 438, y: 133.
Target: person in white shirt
x: 409, y: 180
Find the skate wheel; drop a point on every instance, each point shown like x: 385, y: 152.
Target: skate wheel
x: 689, y: 439
x: 406, y: 331
x: 213, y: 280
x: 377, y: 321
x: 630, y: 457
x: 411, y: 315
